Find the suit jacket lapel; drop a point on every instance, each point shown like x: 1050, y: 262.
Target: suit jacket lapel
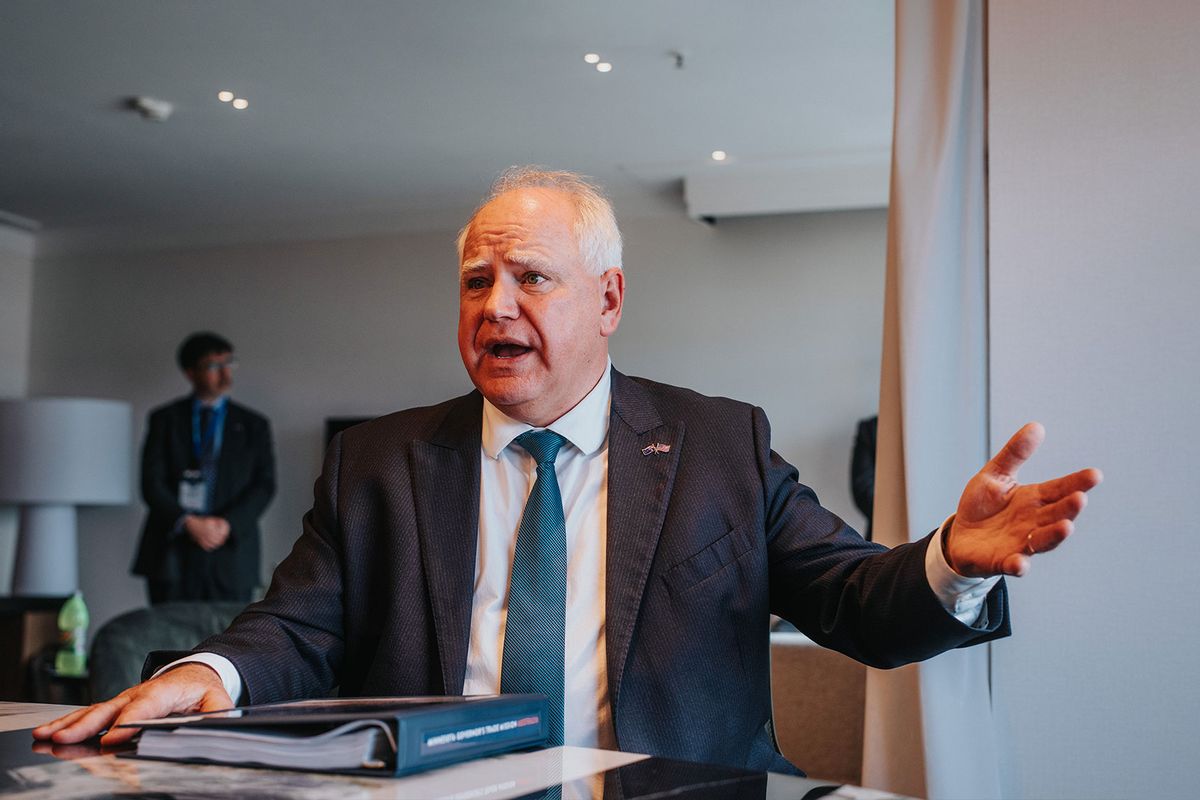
x: 639, y: 488
x: 445, y: 474
x: 181, y: 431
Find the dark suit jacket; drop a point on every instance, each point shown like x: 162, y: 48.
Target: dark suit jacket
x: 703, y: 542
x: 245, y: 484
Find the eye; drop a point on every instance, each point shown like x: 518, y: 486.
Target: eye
x: 533, y: 278
x: 475, y: 283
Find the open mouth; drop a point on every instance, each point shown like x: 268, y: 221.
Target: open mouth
x: 508, y: 350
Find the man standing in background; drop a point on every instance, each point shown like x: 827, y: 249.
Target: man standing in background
x: 208, y: 472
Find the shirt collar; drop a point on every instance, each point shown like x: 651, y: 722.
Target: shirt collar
x: 585, y: 426
x: 215, y: 405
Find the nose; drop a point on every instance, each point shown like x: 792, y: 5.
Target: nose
x: 501, y: 302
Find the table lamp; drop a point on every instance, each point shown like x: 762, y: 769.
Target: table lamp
x: 57, y: 453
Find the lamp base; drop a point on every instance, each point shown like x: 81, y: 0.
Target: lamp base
x: 47, y: 562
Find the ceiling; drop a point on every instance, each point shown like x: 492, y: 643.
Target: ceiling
x: 382, y: 115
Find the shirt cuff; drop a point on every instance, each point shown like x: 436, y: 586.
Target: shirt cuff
x: 223, y: 667
x: 963, y: 598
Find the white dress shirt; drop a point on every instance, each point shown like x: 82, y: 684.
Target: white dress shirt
x: 506, y: 478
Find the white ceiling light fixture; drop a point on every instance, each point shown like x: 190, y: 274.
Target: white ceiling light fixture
x: 604, y: 66
x: 224, y: 97
x: 719, y: 155
x: 240, y: 103
x: 151, y: 108
x: 592, y: 58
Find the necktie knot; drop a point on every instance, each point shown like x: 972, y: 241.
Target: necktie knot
x: 542, y: 445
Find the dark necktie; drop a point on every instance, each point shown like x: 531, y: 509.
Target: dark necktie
x: 537, y: 592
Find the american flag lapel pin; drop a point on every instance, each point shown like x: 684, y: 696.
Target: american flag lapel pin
x: 657, y: 447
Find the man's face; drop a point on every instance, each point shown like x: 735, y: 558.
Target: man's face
x: 533, y: 323
x: 212, y: 376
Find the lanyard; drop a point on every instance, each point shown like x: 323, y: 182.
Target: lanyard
x: 208, y: 441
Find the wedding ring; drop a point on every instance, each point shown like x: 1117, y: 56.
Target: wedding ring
x: 1029, y: 543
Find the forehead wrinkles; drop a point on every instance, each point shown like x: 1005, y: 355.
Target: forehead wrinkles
x: 497, y: 235
x: 513, y: 242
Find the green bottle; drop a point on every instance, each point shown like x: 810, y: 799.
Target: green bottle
x: 71, y: 659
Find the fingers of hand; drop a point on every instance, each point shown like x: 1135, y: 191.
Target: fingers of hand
x: 1050, y: 536
x: 1018, y: 449
x: 45, y: 731
x: 91, y: 721
x: 145, y: 707
x: 1016, y: 565
x: 215, y: 534
x: 209, y: 538
x: 1066, y: 508
x: 182, y: 689
x: 1081, y: 481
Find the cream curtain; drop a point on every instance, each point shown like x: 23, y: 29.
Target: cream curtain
x: 929, y: 729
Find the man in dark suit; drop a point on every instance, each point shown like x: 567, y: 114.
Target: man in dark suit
x: 208, y: 473
x: 676, y: 530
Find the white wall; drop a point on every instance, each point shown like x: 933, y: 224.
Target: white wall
x: 16, y: 297
x: 1095, y: 185
x: 783, y: 311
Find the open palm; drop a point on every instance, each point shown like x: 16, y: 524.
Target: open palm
x: 1000, y: 524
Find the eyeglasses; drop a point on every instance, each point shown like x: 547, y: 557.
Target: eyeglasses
x: 217, y: 366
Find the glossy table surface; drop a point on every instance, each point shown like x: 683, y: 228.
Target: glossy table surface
x: 31, y: 770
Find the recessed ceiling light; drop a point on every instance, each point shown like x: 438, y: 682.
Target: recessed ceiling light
x: 240, y: 103
x: 604, y: 66
x: 719, y: 155
x: 592, y: 58
x: 224, y: 97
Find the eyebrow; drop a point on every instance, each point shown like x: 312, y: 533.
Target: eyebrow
x: 527, y: 260
x: 530, y: 260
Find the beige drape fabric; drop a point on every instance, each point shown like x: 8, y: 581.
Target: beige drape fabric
x: 928, y: 729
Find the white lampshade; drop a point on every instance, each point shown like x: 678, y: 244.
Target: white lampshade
x: 57, y: 453
x: 65, y: 450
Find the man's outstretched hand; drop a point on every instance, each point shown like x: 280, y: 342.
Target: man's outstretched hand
x: 1000, y: 524
x: 191, y: 687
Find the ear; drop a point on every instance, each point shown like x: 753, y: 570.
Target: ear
x: 612, y: 299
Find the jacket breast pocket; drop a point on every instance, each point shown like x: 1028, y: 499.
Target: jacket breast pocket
x: 696, y: 569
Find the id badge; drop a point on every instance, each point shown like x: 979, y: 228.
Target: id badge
x: 193, y: 493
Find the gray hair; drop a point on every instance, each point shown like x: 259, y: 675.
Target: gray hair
x: 595, y: 224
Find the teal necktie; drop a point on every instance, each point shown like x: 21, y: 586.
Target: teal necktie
x: 537, y: 592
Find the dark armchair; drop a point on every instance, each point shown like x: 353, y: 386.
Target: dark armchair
x: 120, y: 647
